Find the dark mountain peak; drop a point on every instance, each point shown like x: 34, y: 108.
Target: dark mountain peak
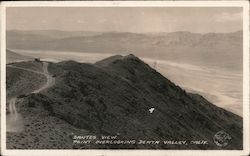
x: 117, y: 58
x: 68, y: 62
x: 132, y: 60
x: 109, y: 60
x: 130, y: 56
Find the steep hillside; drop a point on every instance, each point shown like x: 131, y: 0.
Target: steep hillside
x: 113, y: 97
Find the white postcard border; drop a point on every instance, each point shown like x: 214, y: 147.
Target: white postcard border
x: 243, y: 4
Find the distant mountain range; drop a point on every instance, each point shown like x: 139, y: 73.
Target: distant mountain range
x: 113, y: 97
x: 222, y: 50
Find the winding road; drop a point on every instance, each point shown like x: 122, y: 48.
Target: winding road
x: 12, y: 103
x: 50, y: 80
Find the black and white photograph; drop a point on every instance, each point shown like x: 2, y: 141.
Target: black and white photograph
x: 125, y: 78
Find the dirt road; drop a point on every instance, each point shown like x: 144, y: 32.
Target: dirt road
x: 13, y: 118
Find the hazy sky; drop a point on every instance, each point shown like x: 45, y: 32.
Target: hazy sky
x: 140, y: 20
